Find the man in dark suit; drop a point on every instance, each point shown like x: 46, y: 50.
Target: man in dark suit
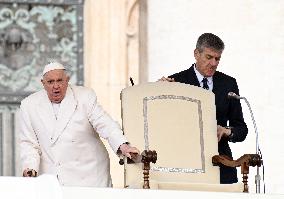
x: 230, y: 123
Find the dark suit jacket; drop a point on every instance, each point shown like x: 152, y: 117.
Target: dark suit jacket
x: 227, y: 110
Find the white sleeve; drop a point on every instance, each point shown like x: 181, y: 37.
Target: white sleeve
x: 104, y: 125
x: 29, y: 146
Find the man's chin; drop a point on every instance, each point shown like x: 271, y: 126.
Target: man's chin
x: 210, y: 74
x: 56, y: 100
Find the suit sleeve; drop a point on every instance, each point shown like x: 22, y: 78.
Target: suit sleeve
x: 236, y: 119
x: 104, y: 125
x: 30, y: 148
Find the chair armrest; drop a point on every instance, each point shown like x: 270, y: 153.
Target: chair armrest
x: 244, y: 162
x: 249, y: 159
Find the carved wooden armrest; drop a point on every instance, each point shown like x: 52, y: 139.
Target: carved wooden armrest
x: 244, y: 162
x: 146, y: 157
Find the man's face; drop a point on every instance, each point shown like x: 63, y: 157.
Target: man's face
x: 55, y: 83
x: 207, y: 61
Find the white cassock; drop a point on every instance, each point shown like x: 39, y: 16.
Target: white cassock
x: 68, y: 146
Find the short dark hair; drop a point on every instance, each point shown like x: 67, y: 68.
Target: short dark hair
x: 209, y: 40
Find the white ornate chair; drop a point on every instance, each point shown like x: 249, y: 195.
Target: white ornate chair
x: 178, y: 121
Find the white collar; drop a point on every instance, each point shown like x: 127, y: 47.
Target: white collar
x: 200, y: 77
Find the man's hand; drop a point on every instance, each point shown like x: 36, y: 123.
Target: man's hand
x: 167, y: 79
x: 222, y: 131
x: 29, y: 173
x: 126, y: 150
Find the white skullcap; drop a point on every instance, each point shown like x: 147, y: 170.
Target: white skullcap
x: 52, y: 66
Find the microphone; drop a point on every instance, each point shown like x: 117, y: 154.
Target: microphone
x: 258, y: 151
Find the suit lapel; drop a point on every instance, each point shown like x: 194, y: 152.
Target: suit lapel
x: 192, y: 78
x: 217, y: 84
x: 46, y: 114
x: 66, y: 111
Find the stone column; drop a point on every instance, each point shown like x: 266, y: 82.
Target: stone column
x: 111, y: 50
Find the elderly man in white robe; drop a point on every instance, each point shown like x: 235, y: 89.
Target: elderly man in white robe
x: 60, y: 130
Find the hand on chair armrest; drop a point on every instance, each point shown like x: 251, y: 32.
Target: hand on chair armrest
x: 126, y: 150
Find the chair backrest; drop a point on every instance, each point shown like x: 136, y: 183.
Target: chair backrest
x: 179, y: 122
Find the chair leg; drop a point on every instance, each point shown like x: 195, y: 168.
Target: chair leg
x: 147, y: 157
x: 146, y: 168
x: 245, y: 172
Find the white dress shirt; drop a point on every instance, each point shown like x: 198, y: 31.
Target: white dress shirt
x: 200, y: 78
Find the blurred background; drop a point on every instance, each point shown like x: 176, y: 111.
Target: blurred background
x: 105, y: 42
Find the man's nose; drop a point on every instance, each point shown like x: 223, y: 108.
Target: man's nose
x: 214, y: 62
x: 56, y: 85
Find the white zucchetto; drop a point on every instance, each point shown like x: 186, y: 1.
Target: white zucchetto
x: 52, y: 66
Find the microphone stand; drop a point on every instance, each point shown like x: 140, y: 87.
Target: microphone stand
x: 257, y: 176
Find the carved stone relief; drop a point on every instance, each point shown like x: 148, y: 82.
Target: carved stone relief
x: 33, y: 33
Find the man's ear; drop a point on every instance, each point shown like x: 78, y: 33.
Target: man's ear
x: 196, y: 53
